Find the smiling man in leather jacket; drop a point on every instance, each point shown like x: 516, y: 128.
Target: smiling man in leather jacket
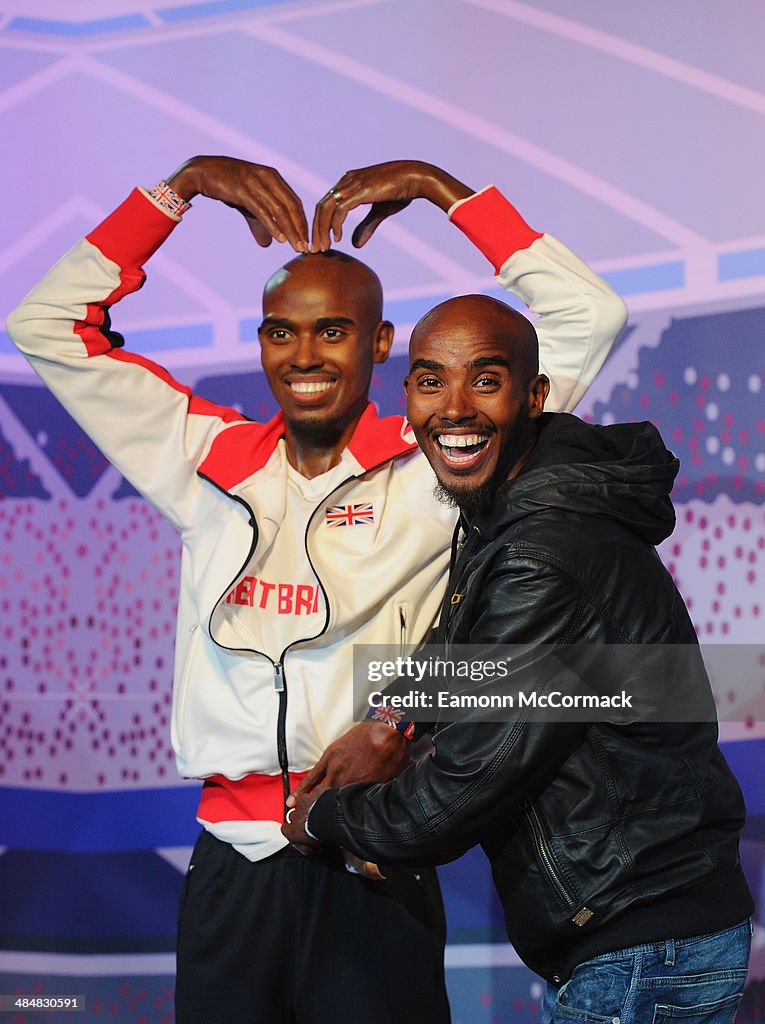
x: 614, y: 840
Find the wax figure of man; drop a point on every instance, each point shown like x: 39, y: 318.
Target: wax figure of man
x: 273, y: 591
x: 614, y: 842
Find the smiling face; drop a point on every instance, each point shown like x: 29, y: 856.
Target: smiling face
x: 321, y: 334
x: 473, y: 392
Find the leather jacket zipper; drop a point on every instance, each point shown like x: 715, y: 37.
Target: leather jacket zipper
x: 546, y: 857
x: 460, y: 557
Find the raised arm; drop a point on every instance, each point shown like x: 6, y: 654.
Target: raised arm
x: 148, y: 425
x: 579, y: 316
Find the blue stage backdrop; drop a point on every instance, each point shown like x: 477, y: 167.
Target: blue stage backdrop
x: 631, y: 131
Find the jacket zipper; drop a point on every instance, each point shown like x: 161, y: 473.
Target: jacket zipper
x: 461, y: 554
x: 460, y: 558
x: 280, y: 684
x: 401, y: 629
x: 584, y: 914
x: 546, y: 857
x: 280, y: 681
x: 281, y: 731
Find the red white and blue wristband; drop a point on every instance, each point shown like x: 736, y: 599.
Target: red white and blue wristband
x: 169, y: 200
x: 395, y: 718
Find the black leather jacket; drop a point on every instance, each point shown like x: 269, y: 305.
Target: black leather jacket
x: 600, y: 834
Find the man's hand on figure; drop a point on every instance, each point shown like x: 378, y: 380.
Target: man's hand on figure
x: 297, y: 815
x: 369, y: 752
x: 389, y: 187
x: 294, y: 830
x: 259, y: 193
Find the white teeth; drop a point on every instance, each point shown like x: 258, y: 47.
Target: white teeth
x: 310, y: 387
x: 461, y: 440
x: 458, y: 448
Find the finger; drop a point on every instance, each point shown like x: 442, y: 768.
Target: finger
x: 288, y: 209
x: 308, y: 850
x: 367, y: 227
x: 342, y: 208
x: 294, y: 206
x: 322, y: 220
x: 339, y: 772
x: 281, y: 213
x: 261, y: 235
x: 378, y: 213
x: 291, y: 218
x: 281, y: 223
x: 349, y: 193
x: 333, y: 208
x: 310, y: 780
x: 263, y: 212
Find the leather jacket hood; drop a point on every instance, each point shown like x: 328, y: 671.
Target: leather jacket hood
x: 622, y: 471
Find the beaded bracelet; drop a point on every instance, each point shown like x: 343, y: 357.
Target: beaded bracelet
x: 395, y: 718
x: 170, y: 201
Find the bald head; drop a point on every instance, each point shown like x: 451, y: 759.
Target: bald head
x: 335, y: 272
x: 482, y: 317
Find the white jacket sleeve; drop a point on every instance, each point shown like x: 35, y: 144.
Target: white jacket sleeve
x: 146, y: 423
x: 579, y: 314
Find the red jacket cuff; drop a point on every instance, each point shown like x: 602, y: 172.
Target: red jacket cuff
x: 133, y: 232
x: 493, y: 225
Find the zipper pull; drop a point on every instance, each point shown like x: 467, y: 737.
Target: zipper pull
x: 278, y: 677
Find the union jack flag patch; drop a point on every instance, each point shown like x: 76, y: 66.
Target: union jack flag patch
x: 350, y: 515
x: 395, y: 718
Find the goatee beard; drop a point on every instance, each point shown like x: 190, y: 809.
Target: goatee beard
x: 316, y: 433
x: 469, y: 500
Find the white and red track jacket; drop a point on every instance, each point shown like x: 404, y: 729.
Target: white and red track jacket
x: 221, y: 480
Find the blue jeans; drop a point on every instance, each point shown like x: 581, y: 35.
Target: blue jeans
x: 693, y: 981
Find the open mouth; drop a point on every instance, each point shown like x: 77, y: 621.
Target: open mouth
x: 462, y: 450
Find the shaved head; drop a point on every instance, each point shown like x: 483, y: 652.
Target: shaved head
x: 336, y: 270
x: 485, y: 317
